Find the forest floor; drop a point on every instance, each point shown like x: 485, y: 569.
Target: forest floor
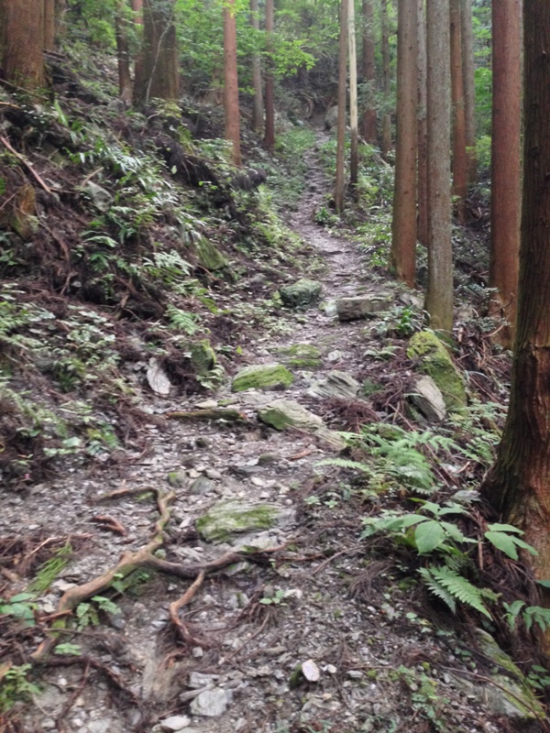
x: 302, y: 627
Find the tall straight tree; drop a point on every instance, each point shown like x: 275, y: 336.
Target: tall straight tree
x: 160, y: 53
x: 340, y: 186
x: 460, y: 162
x: 518, y: 486
x: 139, y: 70
x: 403, y: 251
x: 439, y: 296
x: 422, y: 234
x: 49, y: 25
x: 123, y: 53
x: 368, y: 127
x: 386, y: 117
x: 21, y: 42
x: 506, y: 160
x: 353, y: 109
x: 270, y: 77
x: 258, y: 106
x: 231, y: 87
x: 468, y: 73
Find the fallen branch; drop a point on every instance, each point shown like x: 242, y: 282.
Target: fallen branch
x: 6, y: 143
x: 175, y: 607
x: 110, y: 523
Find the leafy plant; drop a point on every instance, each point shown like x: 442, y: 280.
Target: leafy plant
x: 21, y: 607
x: 88, y: 613
x: 49, y: 571
x: 14, y: 685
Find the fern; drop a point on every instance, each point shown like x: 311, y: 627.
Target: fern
x: 182, y: 320
x: 451, y: 587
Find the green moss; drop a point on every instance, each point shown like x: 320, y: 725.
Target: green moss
x: 210, y: 257
x: 301, y: 356
x: 301, y: 294
x: 262, y: 376
x: 203, y: 357
x: 435, y: 360
x: 233, y: 517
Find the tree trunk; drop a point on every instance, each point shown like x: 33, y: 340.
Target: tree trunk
x: 269, y: 78
x: 369, y: 73
x: 60, y: 10
x: 439, y: 296
x: 339, y: 189
x: 422, y: 195
x: 160, y: 53
x: 231, y: 87
x: 518, y: 486
x: 386, y: 118
x: 468, y: 74
x: 258, y: 106
x: 403, y: 251
x: 139, y: 70
x: 49, y: 25
x: 353, y: 111
x: 123, y: 57
x: 506, y: 161
x: 22, y: 38
x: 460, y: 162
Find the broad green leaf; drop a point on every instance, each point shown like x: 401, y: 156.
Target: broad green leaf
x: 504, y: 543
x: 428, y: 536
x: 504, y: 528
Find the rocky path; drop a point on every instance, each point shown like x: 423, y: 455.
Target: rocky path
x: 305, y: 639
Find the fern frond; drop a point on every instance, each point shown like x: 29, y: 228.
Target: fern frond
x: 437, y: 589
x: 344, y: 463
x: 457, y: 586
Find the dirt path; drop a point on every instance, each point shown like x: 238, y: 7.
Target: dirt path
x: 253, y: 624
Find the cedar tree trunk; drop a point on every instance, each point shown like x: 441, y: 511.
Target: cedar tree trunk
x: 258, y: 107
x: 353, y: 111
x: 460, y: 161
x: 403, y: 251
x: 439, y: 296
x: 468, y: 71
x: 49, y: 25
x: 123, y: 56
x: 369, y: 73
x: 518, y: 486
x: 160, y: 53
x: 386, y: 118
x: 269, y: 138
x: 22, y: 38
x: 231, y: 87
x: 422, y: 194
x: 339, y: 189
x: 506, y: 161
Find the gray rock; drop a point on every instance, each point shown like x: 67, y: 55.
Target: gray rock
x: 198, y: 680
x: 175, y: 723
x: 201, y: 486
x: 337, y: 384
x: 230, y: 517
x: 100, y: 198
x: 301, y: 293
x: 157, y: 379
x: 177, y: 479
x: 262, y: 376
x: 104, y: 725
x: 362, y: 306
x: 428, y: 399
x: 281, y: 414
x: 211, y: 703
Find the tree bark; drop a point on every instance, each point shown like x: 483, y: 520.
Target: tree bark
x: 49, y: 25
x: 403, y: 251
x: 518, y: 486
x: 460, y: 162
x: 353, y: 111
x: 368, y: 127
x: 139, y: 69
x: 506, y: 161
x: 231, y: 78
x: 269, y: 78
x: 258, y: 105
x: 422, y: 194
x: 468, y: 74
x: 22, y: 38
x: 339, y: 189
x: 123, y: 57
x: 160, y: 54
x: 386, y: 117
x: 439, y: 296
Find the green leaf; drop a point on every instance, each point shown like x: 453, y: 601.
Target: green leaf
x: 20, y: 597
x: 504, y: 528
x: 504, y: 543
x: 428, y: 536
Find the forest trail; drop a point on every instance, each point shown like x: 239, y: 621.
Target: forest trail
x: 302, y: 640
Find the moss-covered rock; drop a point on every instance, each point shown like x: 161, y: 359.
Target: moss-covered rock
x: 262, y: 376
x: 282, y: 414
x: 435, y: 361
x: 209, y: 256
x: 301, y: 356
x: 203, y: 357
x: 227, y: 518
x: 301, y: 293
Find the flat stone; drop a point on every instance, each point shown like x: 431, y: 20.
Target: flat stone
x: 301, y: 293
x: 211, y: 703
x: 337, y: 384
x: 201, y: 485
x: 435, y: 361
x: 175, y: 723
x: 229, y: 517
x: 262, y: 376
x: 300, y: 356
x: 199, y: 680
x: 281, y: 414
x: 362, y: 306
x: 157, y: 379
x: 427, y: 397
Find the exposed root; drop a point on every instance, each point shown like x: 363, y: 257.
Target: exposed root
x: 174, y: 608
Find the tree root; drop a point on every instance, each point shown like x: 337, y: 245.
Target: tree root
x: 145, y: 558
